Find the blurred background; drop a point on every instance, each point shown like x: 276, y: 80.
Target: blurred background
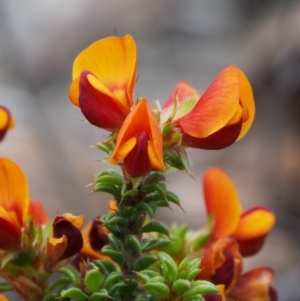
x: 177, y: 40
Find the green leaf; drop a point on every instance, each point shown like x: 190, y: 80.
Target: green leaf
x: 71, y: 273
x: 155, y: 177
x: 180, y: 286
x: 168, y: 266
x: 105, y: 266
x: 158, y: 289
x: 112, y: 278
x: 132, y: 243
x: 142, y: 206
x: 156, y: 227
x: 114, y: 255
x: 201, y: 287
x: 99, y: 296
x: 144, y: 262
x: 93, y: 280
x: 157, y: 243
x: 173, y: 159
x: 75, y: 294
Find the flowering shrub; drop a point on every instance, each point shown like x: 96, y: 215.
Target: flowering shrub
x: 127, y: 254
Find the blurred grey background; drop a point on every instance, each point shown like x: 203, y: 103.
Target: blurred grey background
x: 190, y: 40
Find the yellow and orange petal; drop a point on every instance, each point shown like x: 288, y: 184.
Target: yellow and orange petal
x: 112, y: 61
x: 222, y: 202
x: 6, y: 121
x: 139, y: 125
x: 3, y: 298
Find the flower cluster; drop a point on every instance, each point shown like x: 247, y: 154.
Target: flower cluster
x: 124, y: 255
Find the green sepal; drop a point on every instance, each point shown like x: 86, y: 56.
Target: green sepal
x: 157, y: 243
x: 105, y: 266
x: 184, y: 159
x: 183, y: 264
x: 194, y: 263
x: 168, y: 266
x: 155, y: 177
x: 93, y: 280
x: 144, y: 262
x: 103, y: 147
x: 131, y: 193
x: 201, y: 287
x: 71, y: 273
x: 99, y: 296
x: 178, y: 239
x: 156, y: 227
x: 167, y: 128
x: 173, y: 160
x: 132, y: 243
x: 5, y: 287
x: 113, y: 254
x: 75, y: 294
x: 24, y: 258
x: 180, y: 286
x: 201, y: 237
x: 112, y: 278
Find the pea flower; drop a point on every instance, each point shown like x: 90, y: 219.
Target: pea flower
x: 67, y: 239
x: 103, y: 81
x: 14, y: 204
x: 139, y: 143
x: 255, y: 285
x: 222, y: 263
x: 249, y: 228
x: 221, y: 116
x: 6, y: 121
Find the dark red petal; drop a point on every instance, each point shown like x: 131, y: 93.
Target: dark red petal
x: 137, y: 162
x: 221, y: 139
x: 61, y: 227
x: 97, y: 239
x: 251, y: 246
x: 273, y: 294
x: 10, y: 235
x: 98, y: 108
x: 225, y: 273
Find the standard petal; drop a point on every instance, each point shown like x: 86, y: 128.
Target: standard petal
x: 254, y: 223
x: 247, y: 99
x: 255, y: 285
x: 99, y: 105
x: 182, y: 91
x: 221, y: 201
x: 14, y: 193
x: 215, y: 107
x: 113, y: 61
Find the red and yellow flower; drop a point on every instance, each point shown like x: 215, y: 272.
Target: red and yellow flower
x: 221, y: 116
x: 139, y: 143
x: 249, y: 228
x: 6, y: 121
x: 104, y: 75
x: 14, y: 204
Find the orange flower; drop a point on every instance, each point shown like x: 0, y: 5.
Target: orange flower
x: 103, y: 81
x: 3, y: 298
x: 249, y: 228
x: 222, y: 115
x: 255, y: 285
x: 6, y: 121
x: 139, y: 143
x: 67, y: 239
x: 14, y: 203
x: 222, y: 263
